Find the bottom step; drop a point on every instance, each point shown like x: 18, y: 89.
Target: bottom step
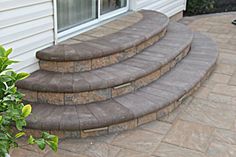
x: 129, y: 111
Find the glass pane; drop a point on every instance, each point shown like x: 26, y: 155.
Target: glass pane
x: 111, y: 5
x: 75, y: 12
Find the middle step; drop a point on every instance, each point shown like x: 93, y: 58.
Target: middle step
x: 112, y: 81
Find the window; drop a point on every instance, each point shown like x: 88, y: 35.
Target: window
x: 73, y: 14
x: 111, y: 5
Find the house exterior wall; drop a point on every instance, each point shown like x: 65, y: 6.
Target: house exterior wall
x: 28, y: 26
x: 168, y: 7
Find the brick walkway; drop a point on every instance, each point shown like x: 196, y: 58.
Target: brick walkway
x: 203, y: 126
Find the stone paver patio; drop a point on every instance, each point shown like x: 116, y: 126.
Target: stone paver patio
x: 203, y: 126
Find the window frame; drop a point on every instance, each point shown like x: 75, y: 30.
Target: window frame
x: 69, y: 33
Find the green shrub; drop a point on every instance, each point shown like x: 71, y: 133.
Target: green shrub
x: 13, y: 112
x: 195, y: 7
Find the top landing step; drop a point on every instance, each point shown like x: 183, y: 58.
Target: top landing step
x: 146, y: 28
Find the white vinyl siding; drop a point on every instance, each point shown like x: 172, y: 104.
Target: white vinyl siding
x: 26, y: 26
x: 168, y: 7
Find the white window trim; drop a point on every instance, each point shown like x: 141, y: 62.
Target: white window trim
x: 64, y: 35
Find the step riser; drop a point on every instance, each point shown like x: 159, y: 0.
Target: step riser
x: 102, y: 94
x: 114, y: 76
x: 129, y: 124
x: 91, y: 64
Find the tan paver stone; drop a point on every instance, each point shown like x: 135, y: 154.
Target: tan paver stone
x: 87, y: 97
x: 65, y: 66
x: 24, y: 153
x: 190, y: 135
x: 202, y: 92
x: 157, y: 127
x: 222, y: 38
x: 211, y: 35
x: 146, y: 119
x: 220, y: 19
x: 209, y: 113
x: 222, y: 50
x: 171, y: 118
x: 76, y: 145
x: 33, y: 148
x: 105, y: 138
x: 208, y: 84
x: 234, y: 126
x: 129, y: 153
x: 227, y: 46
x: 30, y: 95
x: 117, y: 24
x: 83, y: 37
x: 225, y: 36
x: 63, y: 153
x: 218, y: 149
x: 220, y: 98
x: 211, y: 104
x: 232, y: 41
x: 102, y: 150
x: 100, y: 32
x: 201, y: 29
x: 225, y: 136
x: 69, y: 42
x: 51, y: 98
x: 196, y: 24
x: 168, y: 150
x: 219, y: 30
x: 131, y: 18
x: 234, y: 37
x: 227, y: 58
x: 48, y: 65
x: 219, y: 78
x: 233, y: 80
x: 234, y: 101
x: 225, y: 90
x: 138, y: 140
x: 123, y: 126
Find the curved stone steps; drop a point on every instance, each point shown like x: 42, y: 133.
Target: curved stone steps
x: 126, y: 112
x: 106, y: 50
x: 115, y: 80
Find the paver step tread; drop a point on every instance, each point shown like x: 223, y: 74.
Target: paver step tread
x: 161, y: 93
x: 178, y: 38
x: 151, y: 24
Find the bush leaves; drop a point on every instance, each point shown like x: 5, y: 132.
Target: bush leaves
x: 13, y: 112
x: 195, y: 7
x: 22, y: 76
x: 20, y: 134
x: 26, y: 110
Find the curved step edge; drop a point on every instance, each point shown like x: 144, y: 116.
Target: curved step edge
x: 190, y: 74
x: 102, y: 86
x: 107, y: 50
